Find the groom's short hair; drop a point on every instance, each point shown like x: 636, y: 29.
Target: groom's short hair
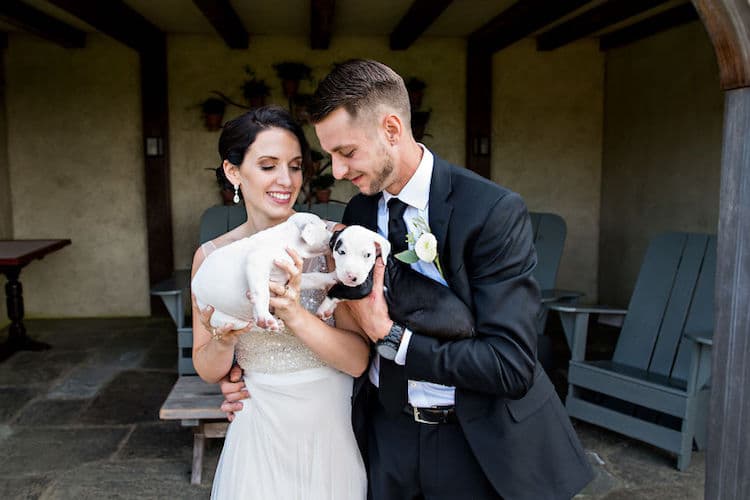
x: 360, y: 86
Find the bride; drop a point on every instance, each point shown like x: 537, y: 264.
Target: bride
x: 293, y: 440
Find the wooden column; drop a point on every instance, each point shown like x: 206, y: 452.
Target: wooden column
x: 6, y: 208
x: 156, y: 159
x: 479, y: 110
x: 728, y: 452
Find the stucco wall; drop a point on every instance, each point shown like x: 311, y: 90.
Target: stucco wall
x: 76, y: 171
x: 199, y: 64
x: 546, y: 143
x: 662, y: 149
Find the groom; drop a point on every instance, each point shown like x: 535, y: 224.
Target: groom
x: 475, y: 418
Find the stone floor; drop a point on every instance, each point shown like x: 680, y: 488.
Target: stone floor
x: 81, y: 421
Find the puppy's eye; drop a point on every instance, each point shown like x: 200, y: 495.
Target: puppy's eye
x: 367, y: 255
x: 342, y: 252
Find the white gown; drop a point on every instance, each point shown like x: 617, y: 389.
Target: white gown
x: 293, y: 439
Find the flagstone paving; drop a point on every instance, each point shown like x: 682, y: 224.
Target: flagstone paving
x: 81, y: 421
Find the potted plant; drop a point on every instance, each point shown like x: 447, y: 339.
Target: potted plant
x: 213, y: 113
x: 321, y: 185
x: 225, y: 189
x: 319, y: 182
x: 291, y: 73
x: 254, y: 90
x: 415, y: 87
x: 419, y: 121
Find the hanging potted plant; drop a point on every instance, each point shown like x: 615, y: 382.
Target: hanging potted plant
x: 213, y: 113
x: 291, y: 73
x: 321, y: 185
x: 415, y: 87
x: 318, y: 182
x: 419, y: 121
x: 254, y: 90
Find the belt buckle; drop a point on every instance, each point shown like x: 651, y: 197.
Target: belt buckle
x: 418, y: 419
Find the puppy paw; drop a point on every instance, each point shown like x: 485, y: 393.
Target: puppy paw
x: 326, y: 309
x: 267, y: 322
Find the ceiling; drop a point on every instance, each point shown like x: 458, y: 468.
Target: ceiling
x: 460, y: 18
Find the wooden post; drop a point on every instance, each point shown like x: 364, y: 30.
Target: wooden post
x: 479, y: 110
x: 156, y: 160
x: 728, y: 451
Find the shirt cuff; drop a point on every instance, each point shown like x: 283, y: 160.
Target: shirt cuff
x: 403, y: 347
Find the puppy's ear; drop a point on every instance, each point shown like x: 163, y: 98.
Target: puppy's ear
x: 385, y: 246
x: 335, y: 238
x: 314, y: 234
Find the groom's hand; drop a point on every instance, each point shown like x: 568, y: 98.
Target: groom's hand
x: 233, y: 389
x: 371, y: 312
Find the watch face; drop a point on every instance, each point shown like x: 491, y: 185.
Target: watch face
x: 387, y: 350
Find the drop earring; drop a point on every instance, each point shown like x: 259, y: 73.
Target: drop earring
x: 236, y: 198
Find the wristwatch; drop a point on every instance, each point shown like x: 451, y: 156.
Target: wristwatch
x: 387, y: 347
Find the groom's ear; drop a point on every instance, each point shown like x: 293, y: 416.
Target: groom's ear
x: 393, y: 127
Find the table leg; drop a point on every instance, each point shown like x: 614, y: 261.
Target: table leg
x: 17, y: 338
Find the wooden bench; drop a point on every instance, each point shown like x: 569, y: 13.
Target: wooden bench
x: 196, y: 404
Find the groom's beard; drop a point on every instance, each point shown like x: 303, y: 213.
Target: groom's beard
x: 378, y: 183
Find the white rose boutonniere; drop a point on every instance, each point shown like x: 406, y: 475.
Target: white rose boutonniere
x: 424, y: 245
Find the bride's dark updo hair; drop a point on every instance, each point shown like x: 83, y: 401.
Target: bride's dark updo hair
x: 239, y: 134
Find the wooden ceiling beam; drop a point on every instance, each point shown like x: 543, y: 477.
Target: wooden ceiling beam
x: 116, y: 19
x: 415, y: 22
x: 34, y: 21
x: 519, y: 21
x: 677, y: 16
x: 593, y: 20
x: 225, y: 21
x: 321, y: 23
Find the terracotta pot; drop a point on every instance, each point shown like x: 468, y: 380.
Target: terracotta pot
x: 419, y: 121
x: 213, y: 121
x: 257, y: 101
x: 415, y: 98
x: 290, y: 88
x: 227, y: 197
x: 323, y: 195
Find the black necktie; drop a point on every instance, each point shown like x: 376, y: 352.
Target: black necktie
x: 396, y: 225
x: 393, y: 390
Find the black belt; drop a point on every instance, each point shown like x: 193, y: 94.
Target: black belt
x: 432, y: 415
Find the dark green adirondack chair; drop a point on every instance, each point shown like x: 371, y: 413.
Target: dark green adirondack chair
x: 549, y: 231
x: 656, y: 386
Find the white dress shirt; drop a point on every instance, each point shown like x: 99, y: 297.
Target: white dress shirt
x: 416, y: 195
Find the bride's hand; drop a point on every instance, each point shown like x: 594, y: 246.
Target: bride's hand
x: 226, y: 333
x: 285, y: 298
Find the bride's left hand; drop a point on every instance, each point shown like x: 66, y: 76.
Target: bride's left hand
x: 285, y: 298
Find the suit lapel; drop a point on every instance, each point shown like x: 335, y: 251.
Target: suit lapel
x: 441, y: 209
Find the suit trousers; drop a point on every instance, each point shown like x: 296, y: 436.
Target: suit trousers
x: 415, y: 461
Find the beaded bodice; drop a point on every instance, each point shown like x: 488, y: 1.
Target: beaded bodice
x: 279, y: 352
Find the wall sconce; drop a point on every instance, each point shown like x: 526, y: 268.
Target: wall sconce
x: 480, y: 146
x: 154, y: 147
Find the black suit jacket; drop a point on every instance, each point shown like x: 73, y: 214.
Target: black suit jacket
x: 507, y: 407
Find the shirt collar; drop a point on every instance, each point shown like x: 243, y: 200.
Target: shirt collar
x: 416, y: 192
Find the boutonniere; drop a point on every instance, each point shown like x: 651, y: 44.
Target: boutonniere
x: 424, y: 245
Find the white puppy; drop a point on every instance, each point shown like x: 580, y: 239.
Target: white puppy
x: 354, y: 252
x: 228, y: 273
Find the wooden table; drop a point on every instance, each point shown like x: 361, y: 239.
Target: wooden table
x: 14, y: 256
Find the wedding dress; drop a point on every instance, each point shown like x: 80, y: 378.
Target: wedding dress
x: 293, y: 439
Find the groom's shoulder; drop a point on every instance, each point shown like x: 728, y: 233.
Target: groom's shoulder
x: 465, y: 181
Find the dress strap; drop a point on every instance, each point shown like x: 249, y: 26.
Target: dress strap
x: 207, y: 248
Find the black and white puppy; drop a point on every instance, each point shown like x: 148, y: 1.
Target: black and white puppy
x: 414, y: 300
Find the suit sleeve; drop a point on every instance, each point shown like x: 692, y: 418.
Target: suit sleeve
x: 501, y: 358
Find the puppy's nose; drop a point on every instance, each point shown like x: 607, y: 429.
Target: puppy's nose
x: 353, y: 278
